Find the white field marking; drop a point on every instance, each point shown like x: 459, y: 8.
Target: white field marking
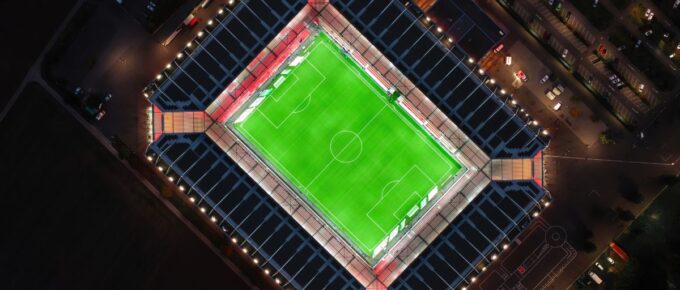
x: 329, y: 212
x: 345, y: 147
x: 394, y: 214
x: 379, y: 96
x: 299, y: 108
x: 361, y: 147
x: 409, y: 124
x: 384, y: 194
x: 285, y: 92
x: 335, y: 219
x: 270, y: 156
x: 311, y: 195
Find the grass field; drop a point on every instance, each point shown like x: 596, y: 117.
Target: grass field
x: 353, y: 152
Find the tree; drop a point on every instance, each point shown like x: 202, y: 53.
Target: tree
x: 606, y: 138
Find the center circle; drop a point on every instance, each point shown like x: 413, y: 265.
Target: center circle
x: 346, y: 146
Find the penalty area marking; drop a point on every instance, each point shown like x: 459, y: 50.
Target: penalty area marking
x: 389, y: 188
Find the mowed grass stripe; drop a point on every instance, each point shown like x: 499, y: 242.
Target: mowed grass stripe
x: 356, y: 156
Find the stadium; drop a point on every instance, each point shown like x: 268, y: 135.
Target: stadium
x: 349, y: 144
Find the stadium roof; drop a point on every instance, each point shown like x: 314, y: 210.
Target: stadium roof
x: 469, y: 26
x: 440, y: 71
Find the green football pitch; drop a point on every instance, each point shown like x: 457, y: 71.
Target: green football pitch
x: 337, y: 136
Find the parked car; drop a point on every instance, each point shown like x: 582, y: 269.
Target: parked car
x: 205, y: 3
x: 560, y: 87
x: 595, y: 278
x: 556, y: 91
x: 557, y: 106
x: 521, y: 75
x: 100, y: 115
x: 550, y: 95
x: 544, y: 79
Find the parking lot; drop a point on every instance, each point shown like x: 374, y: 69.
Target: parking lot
x: 543, y: 94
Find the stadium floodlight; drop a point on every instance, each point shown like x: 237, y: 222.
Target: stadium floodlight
x: 181, y: 188
x: 547, y: 203
x: 149, y: 158
x: 492, y: 81
x: 535, y: 123
x: 159, y: 77
x: 439, y: 29
x: 210, y: 22
x: 220, y: 12
x: 189, y: 44
x: 428, y: 19
x: 192, y: 199
x: 535, y: 214
x: 168, y: 66
x: 505, y: 246
x: 502, y: 91
x: 160, y: 168
x: 231, y: 2
x: 494, y: 257
x: 484, y: 269
x: 234, y: 240
x: 514, y: 102
x: 256, y: 261
x: 471, y: 60
x: 473, y: 279
x: 180, y: 55
x: 481, y: 71
x: 203, y: 209
x: 213, y: 219
x: 200, y: 34
x: 245, y: 250
x: 266, y: 271
x: 450, y: 40
x: 277, y: 280
x: 545, y: 133
x: 171, y: 179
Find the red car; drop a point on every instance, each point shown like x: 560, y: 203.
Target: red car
x: 520, y: 75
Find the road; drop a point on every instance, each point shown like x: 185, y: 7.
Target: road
x: 587, y: 182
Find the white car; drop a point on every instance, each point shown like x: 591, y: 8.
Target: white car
x: 550, y: 95
x: 557, y: 106
x: 100, y: 115
x: 556, y: 91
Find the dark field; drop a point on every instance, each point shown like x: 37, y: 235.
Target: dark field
x: 27, y: 27
x: 73, y: 217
